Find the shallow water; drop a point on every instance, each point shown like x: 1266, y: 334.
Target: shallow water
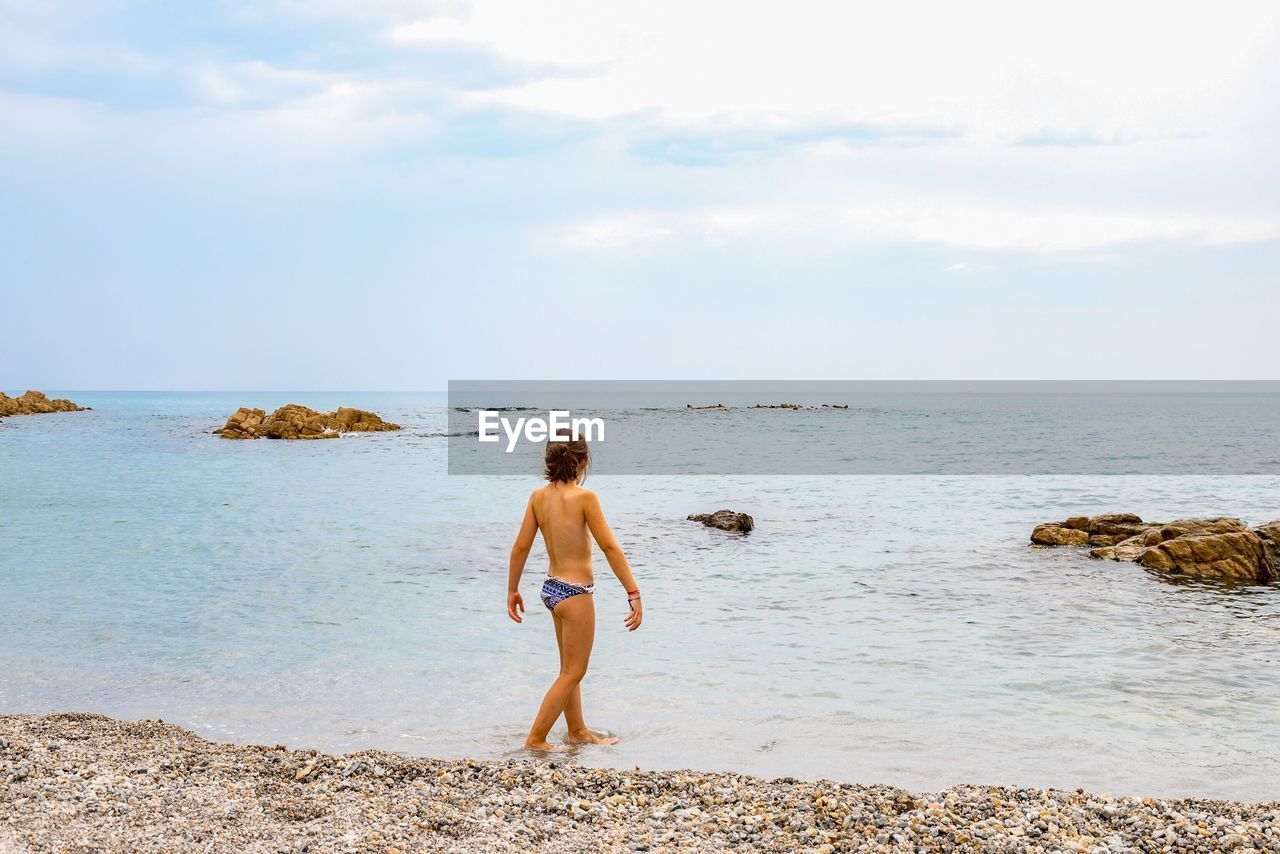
x: 349, y: 594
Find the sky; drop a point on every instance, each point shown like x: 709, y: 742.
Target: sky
x: 389, y: 194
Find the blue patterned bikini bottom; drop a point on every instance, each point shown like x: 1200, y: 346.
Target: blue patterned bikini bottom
x: 556, y: 590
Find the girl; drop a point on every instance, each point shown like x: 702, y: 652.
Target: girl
x: 565, y: 512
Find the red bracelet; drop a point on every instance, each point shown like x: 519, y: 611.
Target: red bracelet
x: 633, y: 592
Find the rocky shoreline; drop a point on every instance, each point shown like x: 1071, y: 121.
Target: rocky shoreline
x: 85, y: 782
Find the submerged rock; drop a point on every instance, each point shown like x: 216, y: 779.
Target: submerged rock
x: 35, y: 403
x: 293, y: 421
x: 725, y: 520
x: 1220, y: 547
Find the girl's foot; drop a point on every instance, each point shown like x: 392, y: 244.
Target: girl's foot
x: 586, y: 736
x: 543, y: 746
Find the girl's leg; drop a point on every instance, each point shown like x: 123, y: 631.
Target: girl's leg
x: 573, y: 708
x: 577, y: 624
x: 578, y: 732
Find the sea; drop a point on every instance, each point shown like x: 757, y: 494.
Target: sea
x: 873, y: 628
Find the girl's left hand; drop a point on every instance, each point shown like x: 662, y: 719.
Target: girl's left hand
x: 515, y: 606
x: 635, y: 616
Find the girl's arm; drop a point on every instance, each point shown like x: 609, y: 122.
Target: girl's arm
x: 515, y: 567
x: 617, y: 560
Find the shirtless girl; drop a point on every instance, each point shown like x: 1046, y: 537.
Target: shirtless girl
x: 565, y: 513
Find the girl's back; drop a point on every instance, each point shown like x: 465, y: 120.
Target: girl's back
x: 560, y: 510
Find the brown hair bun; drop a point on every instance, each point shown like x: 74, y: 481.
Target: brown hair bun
x: 565, y: 459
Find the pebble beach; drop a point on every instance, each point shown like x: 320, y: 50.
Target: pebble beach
x: 85, y: 782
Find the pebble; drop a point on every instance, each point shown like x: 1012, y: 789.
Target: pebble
x: 148, y: 786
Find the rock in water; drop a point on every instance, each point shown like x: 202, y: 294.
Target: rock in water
x: 1057, y: 534
x: 1105, y: 530
x: 1239, y: 555
x: 725, y: 520
x: 1222, y: 547
x: 1124, y: 550
x: 293, y: 421
x: 1130, y: 548
x: 35, y: 403
x: 348, y: 420
x: 244, y: 423
x: 1270, y: 534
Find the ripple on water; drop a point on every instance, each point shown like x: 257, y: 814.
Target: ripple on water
x: 872, y: 629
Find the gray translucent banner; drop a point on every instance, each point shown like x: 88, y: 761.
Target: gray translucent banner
x: 680, y: 427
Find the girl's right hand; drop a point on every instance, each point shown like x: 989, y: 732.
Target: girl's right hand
x: 515, y: 603
x: 635, y: 615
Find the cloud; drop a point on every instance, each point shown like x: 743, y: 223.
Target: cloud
x: 442, y: 158
x: 951, y: 225
x: 716, y: 146
x: 257, y: 83
x: 565, y: 34
x: 997, y: 68
x: 30, y: 44
x: 614, y: 232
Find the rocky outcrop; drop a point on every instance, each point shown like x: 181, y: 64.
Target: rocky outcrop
x: 35, y: 403
x: 348, y: 420
x: 293, y: 421
x: 1221, y: 547
x: 725, y: 520
x: 1270, y: 534
x: 1105, y: 530
x: 244, y: 423
x: 1059, y: 534
x: 1238, y: 556
x: 1130, y: 548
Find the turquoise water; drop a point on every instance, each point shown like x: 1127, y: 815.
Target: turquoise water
x: 348, y: 594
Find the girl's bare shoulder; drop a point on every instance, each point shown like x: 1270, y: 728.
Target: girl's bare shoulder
x: 585, y: 497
